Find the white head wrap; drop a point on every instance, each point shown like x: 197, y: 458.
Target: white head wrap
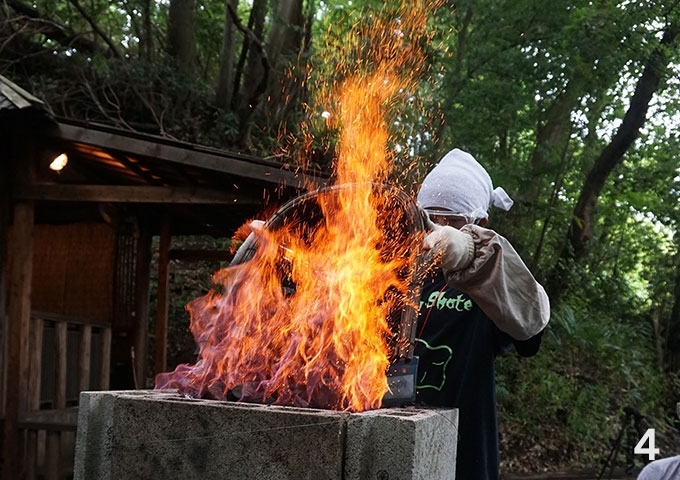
x: 458, y: 183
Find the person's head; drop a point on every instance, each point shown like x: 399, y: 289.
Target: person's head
x: 458, y: 190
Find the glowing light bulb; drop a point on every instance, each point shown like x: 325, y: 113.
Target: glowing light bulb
x: 59, y: 162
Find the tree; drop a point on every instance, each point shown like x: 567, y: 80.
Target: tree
x: 581, y: 228
x: 181, y: 35
x: 225, y: 78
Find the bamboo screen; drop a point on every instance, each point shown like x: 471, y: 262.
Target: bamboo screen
x: 73, y: 270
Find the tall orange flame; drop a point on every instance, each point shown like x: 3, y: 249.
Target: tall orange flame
x: 308, y: 320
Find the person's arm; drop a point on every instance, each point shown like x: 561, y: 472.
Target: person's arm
x: 496, y: 278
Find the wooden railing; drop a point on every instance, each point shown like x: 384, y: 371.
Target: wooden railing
x: 68, y: 356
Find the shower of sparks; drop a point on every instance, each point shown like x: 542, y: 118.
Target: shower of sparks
x: 327, y: 344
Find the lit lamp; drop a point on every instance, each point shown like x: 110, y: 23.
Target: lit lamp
x: 59, y: 162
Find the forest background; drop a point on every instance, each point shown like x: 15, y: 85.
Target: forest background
x: 573, y: 108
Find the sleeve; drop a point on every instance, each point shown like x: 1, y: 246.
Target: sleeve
x: 662, y: 469
x: 529, y: 347
x: 502, y: 285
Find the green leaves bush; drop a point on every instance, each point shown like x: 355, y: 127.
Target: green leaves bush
x: 569, y: 397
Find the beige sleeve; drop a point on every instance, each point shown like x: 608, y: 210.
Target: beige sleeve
x: 502, y: 285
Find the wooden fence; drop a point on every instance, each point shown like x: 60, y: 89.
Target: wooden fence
x: 67, y: 356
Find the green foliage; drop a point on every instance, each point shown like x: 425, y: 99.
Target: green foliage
x: 571, y: 395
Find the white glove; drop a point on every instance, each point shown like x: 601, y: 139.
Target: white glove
x: 455, y: 248
x: 247, y: 249
x: 257, y: 225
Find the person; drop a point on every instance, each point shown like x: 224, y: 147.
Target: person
x: 478, y: 301
x: 662, y: 469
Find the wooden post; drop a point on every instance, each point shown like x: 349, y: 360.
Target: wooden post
x: 60, y: 363
x: 85, y: 357
x: 53, y: 446
x: 34, y: 395
x: 4, y: 272
x: 37, y: 326
x: 105, y: 372
x: 161, y: 337
x: 142, y: 277
x: 18, y: 334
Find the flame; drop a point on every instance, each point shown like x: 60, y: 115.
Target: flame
x: 309, y: 319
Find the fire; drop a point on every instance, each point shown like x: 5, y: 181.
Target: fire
x: 312, y: 319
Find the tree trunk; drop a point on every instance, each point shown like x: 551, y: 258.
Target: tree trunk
x: 251, y: 75
x: 225, y: 80
x: 558, y: 182
x: 182, y: 35
x: 583, y: 219
x: 549, y: 155
x: 284, y: 44
x: 553, y: 136
x: 285, y: 35
x: 673, y: 332
x: 146, y: 37
x: 249, y: 52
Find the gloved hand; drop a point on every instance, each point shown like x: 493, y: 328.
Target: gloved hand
x: 455, y: 248
x: 256, y: 225
x: 246, y: 250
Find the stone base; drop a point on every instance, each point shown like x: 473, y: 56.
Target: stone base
x: 160, y: 435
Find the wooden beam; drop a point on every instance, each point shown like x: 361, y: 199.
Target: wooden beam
x: 37, y: 328
x: 4, y: 271
x: 85, y: 358
x: 187, y: 154
x: 141, y: 173
x: 60, y: 364
x: 161, y: 332
x: 56, y: 317
x: 36, y: 342
x: 142, y: 287
x: 131, y: 194
x: 65, y: 419
x: 105, y: 367
x: 19, y: 97
x: 199, y: 255
x: 18, y: 333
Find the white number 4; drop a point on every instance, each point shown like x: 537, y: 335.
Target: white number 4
x: 640, y: 448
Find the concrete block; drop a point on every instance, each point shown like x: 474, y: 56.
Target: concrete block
x: 391, y: 444
x: 160, y: 435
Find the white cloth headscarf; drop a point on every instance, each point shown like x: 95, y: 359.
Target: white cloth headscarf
x: 458, y: 183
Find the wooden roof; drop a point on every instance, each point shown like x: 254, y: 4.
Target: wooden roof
x: 13, y: 97
x: 202, y: 189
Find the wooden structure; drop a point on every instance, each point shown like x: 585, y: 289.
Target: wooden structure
x: 75, y: 251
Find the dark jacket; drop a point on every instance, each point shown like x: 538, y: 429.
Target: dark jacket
x: 467, y: 318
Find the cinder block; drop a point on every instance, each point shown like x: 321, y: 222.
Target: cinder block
x: 160, y: 435
x: 401, y: 443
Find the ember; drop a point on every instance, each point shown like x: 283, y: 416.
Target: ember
x: 320, y: 308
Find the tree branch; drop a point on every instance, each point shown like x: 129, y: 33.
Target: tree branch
x: 96, y: 28
x: 55, y: 31
x: 262, y: 86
